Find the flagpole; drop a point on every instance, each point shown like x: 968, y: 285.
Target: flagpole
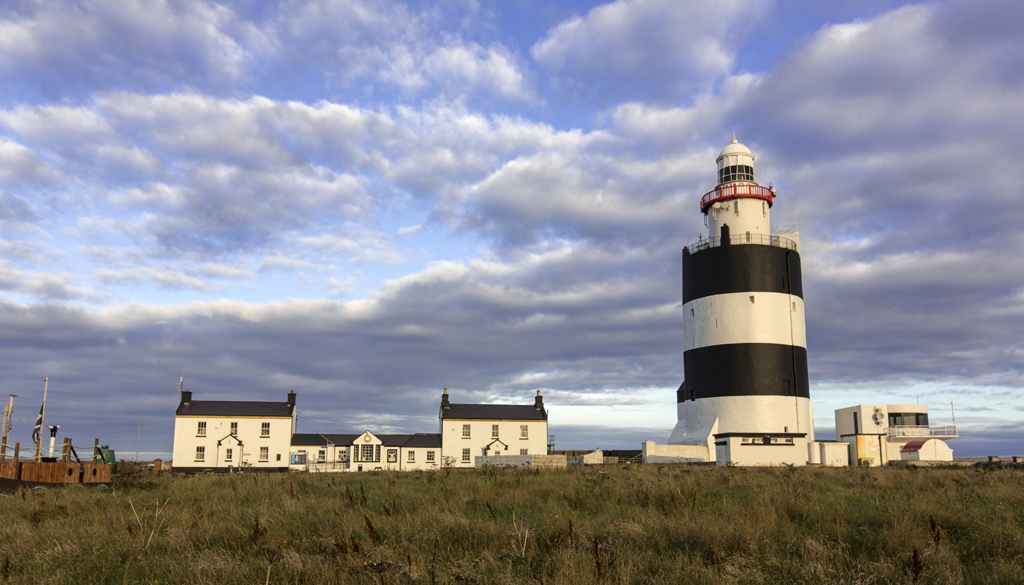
x: 42, y: 418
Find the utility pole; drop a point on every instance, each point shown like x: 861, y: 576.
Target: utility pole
x: 8, y: 413
x: 137, y: 442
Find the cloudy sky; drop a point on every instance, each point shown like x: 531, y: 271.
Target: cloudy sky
x: 369, y: 201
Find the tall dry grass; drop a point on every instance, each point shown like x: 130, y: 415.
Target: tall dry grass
x: 641, y: 524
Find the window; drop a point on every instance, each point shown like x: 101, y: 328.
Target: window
x: 201, y: 430
x: 494, y: 431
x: 265, y: 429
x: 264, y: 453
x: 321, y: 455
x: 227, y: 455
x: 278, y: 456
x: 465, y: 455
x: 298, y: 458
x: 524, y: 431
x: 412, y: 457
x: 430, y: 456
x: 392, y: 455
x: 524, y: 451
x: 234, y: 428
x: 200, y: 453
x: 366, y: 452
x: 465, y: 431
x: 751, y: 296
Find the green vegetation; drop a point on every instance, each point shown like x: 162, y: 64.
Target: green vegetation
x: 640, y: 524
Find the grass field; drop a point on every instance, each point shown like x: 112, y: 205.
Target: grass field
x: 639, y: 524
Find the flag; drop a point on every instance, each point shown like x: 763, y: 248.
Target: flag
x: 39, y: 425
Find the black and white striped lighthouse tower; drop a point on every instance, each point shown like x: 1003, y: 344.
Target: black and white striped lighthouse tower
x: 745, y: 394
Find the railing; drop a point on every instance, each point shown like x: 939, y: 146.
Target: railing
x: 741, y: 190
x: 761, y: 239
x: 326, y: 466
x: 922, y: 431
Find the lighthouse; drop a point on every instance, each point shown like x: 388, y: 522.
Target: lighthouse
x: 745, y: 390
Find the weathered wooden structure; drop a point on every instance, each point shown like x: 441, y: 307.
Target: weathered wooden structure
x: 17, y: 473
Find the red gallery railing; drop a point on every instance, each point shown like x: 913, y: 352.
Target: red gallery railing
x: 737, y: 191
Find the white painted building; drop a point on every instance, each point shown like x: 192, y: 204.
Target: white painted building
x: 223, y: 435
x: 227, y: 435
x: 745, y: 399
x: 473, y: 430
x: 878, y: 434
x: 367, y: 451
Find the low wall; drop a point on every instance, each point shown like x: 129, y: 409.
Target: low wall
x: 540, y: 461
x: 655, y: 453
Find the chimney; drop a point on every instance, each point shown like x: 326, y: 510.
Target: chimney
x: 186, y: 396
x: 444, y: 400
x: 291, y: 398
x: 538, y: 402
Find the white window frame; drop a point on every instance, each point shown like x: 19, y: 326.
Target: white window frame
x: 201, y: 428
x: 430, y: 456
x: 234, y: 428
x: 200, y: 453
x: 228, y: 452
x: 524, y: 431
x: 264, y: 430
x: 466, y: 432
x: 264, y: 454
x: 465, y: 455
x: 524, y: 451
x: 412, y: 457
x: 494, y: 431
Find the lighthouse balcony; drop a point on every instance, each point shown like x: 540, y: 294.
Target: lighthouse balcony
x: 746, y: 238
x: 736, y: 191
x: 910, y: 431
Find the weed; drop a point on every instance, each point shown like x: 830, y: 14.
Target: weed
x: 259, y: 528
x: 371, y: 530
x: 935, y: 531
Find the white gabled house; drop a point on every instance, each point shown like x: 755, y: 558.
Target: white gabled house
x: 323, y: 452
x: 474, y: 430
x: 228, y: 434
x: 213, y: 435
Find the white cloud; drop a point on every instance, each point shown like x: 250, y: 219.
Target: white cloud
x: 655, y: 48
x: 56, y: 48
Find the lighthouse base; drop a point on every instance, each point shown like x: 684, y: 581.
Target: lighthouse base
x: 747, y: 430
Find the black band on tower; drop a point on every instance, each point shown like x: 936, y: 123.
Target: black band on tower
x: 744, y: 369
x: 746, y: 268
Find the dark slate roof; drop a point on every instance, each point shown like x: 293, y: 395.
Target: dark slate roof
x: 308, y: 439
x: 424, y: 440
x: 234, y: 408
x: 494, y: 412
x: 323, y: 439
